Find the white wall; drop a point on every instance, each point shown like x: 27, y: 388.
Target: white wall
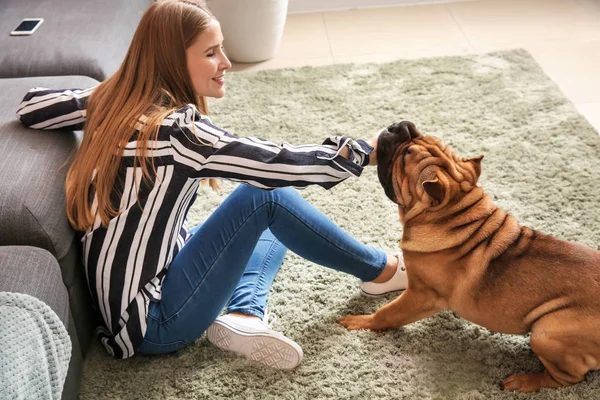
x: 304, y: 6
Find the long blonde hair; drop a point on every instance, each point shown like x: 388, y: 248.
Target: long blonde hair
x: 151, y: 83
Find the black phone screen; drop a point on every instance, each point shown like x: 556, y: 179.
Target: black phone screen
x: 26, y: 26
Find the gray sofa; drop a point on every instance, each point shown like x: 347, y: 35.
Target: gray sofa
x: 80, y: 43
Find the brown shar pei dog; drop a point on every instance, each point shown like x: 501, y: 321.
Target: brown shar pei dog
x: 465, y: 254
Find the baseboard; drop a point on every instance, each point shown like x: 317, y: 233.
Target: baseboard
x: 308, y: 6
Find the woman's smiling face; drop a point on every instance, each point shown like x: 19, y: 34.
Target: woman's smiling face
x: 207, y: 62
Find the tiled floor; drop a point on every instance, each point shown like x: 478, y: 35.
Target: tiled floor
x: 563, y: 36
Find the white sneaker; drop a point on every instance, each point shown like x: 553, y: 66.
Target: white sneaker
x: 396, y: 283
x: 254, y: 339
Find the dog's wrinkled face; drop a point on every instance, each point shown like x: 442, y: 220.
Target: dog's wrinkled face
x: 420, y: 170
x: 391, y: 141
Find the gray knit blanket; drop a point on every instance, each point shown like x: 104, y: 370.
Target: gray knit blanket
x: 35, y: 349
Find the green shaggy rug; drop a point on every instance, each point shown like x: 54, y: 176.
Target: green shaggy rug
x: 541, y: 164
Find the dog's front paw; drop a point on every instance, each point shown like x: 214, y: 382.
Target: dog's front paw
x: 526, y: 383
x: 354, y: 322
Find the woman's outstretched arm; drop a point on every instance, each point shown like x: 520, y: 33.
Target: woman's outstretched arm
x: 43, y: 108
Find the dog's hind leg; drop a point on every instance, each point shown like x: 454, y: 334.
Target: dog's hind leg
x: 563, y: 353
x: 526, y: 383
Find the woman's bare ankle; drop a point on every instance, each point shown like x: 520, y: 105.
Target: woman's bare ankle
x: 390, y: 269
x: 240, y: 314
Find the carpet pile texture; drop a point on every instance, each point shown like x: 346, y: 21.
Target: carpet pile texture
x: 541, y: 164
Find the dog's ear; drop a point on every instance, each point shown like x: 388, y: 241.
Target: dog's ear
x: 435, y: 189
x: 476, y: 162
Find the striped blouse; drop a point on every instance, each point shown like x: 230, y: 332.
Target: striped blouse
x: 126, y: 261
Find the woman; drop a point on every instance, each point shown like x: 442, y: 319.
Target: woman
x: 147, y: 145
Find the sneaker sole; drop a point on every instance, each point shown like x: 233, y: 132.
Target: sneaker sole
x: 270, y: 351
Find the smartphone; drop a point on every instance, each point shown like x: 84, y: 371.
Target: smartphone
x: 27, y: 26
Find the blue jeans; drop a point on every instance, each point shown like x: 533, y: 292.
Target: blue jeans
x: 233, y: 258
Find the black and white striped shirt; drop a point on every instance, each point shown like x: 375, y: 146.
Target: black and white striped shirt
x: 126, y: 262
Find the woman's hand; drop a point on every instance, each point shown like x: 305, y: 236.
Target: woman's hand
x: 373, y: 143
x: 345, y: 152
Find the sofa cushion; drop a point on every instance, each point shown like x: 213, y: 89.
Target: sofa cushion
x: 33, y: 166
x: 88, y: 39
x: 34, y: 271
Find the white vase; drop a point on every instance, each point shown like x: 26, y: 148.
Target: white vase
x: 252, y: 29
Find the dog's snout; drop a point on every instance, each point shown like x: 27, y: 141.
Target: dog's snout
x: 406, y: 129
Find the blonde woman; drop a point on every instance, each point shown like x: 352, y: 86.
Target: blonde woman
x: 147, y: 144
